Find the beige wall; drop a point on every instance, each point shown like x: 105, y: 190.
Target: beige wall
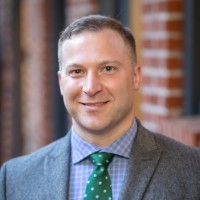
x: 135, y: 23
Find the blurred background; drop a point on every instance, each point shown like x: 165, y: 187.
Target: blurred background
x: 167, y: 33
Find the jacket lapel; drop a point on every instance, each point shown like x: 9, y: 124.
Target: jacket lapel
x: 56, y: 169
x: 142, y: 164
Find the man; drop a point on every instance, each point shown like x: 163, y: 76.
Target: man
x: 98, y: 76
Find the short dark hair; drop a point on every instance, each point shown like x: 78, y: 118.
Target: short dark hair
x: 95, y: 23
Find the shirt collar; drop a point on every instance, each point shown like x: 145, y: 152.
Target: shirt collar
x: 121, y: 147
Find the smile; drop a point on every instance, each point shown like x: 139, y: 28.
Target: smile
x: 94, y: 103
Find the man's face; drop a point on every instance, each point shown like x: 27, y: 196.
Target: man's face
x: 97, y: 82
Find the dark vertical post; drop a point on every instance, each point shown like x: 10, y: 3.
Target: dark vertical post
x: 192, y: 58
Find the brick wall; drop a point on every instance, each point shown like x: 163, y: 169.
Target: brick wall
x: 162, y: 54
x: 183, y: 129
x: 78, y: 8
x: 37, y: 67
x: 36, y: 73
x: 9, y: 81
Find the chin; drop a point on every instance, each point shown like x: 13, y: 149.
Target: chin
x: 95, y: 127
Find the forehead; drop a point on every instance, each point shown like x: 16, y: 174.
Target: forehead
x: 94, y: 41
x: 103, y: 34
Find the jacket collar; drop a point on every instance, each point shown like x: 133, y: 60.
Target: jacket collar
x: 145, y: 155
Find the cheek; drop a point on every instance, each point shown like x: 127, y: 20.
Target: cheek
x: 125, y: 89
x: 121, y: 84
x: 70, y: 90
x: 69, y: 99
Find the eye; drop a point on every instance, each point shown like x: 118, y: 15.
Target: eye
x: 109, y: 69
x: 75, y: 73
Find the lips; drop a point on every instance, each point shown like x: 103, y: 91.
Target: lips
x: 93, y: 103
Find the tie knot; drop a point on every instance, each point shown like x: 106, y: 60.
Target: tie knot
x: 101, y: 158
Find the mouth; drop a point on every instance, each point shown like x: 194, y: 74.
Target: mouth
x: 93, y: 103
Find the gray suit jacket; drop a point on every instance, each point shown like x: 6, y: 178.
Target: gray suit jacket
x: 159, y: 168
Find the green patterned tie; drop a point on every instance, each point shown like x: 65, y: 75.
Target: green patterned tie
x: 99, y: 183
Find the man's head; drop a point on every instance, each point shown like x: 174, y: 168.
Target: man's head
x: 95, y: 23
x: 98, y: 77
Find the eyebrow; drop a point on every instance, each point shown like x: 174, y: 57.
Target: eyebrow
x: 72, y: 65
x: 110, y: 62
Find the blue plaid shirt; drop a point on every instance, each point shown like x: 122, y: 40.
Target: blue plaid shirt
x: 81, y: 166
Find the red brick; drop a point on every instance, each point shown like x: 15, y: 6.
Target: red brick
x: 153, y: 118
x: 188, y: 130
x: 167, y: 63
x: 163, y: 101
x: 157, y: 25
x: 172, y: 44
x: 168, y: 82
x: 170, y: 6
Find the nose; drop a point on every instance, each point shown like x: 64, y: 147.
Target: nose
x: 92, y: 84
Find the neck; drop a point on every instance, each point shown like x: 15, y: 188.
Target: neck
x: 102, y: 138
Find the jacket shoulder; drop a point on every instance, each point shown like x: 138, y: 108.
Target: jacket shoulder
x: 27, y: 177
x: 51, y: 150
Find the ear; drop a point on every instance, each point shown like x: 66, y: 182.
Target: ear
x: 137, y: 77
x: 60, y: 81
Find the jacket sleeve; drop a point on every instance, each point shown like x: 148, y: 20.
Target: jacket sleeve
x: 3, y: 182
